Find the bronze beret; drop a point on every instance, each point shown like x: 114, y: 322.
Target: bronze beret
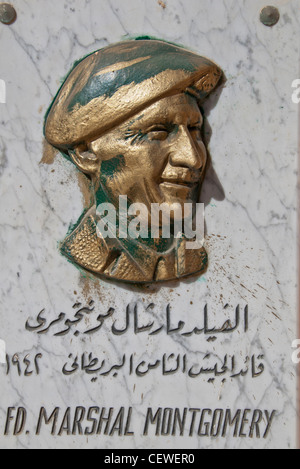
x: 115, y: 83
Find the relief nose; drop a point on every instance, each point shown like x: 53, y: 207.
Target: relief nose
x: 186, y: 152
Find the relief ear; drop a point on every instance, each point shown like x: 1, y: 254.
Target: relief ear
x: 85, y: 160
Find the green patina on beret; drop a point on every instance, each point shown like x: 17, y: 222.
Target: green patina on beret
x: 114, y: 83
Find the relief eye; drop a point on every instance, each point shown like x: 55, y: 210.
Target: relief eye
x: 195, y: 132
x: 158, y: 134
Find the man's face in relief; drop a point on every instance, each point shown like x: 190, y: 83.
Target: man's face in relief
x: 156, y: 157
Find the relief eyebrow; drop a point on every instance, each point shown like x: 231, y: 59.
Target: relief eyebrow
x: 168, y: 126
x: 199, y: 123
x: 158, y: 126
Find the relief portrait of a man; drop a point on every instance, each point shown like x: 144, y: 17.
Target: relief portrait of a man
x: 128, y: 117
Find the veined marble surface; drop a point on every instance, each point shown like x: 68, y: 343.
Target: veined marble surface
x: 251, y: 226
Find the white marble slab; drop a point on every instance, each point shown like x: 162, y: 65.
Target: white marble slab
x: 251, y: 225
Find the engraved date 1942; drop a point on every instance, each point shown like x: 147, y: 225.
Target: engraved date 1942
x: 25, y: 366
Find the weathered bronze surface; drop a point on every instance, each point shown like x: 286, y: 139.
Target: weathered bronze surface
x: 128, y: 117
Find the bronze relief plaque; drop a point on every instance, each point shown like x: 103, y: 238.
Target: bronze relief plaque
x: 128, y: 117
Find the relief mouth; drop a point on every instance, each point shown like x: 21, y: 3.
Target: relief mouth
x: 180, y: 182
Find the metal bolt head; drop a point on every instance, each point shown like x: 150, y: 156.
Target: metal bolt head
x: 7, y: 13
x: 269, y: 16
